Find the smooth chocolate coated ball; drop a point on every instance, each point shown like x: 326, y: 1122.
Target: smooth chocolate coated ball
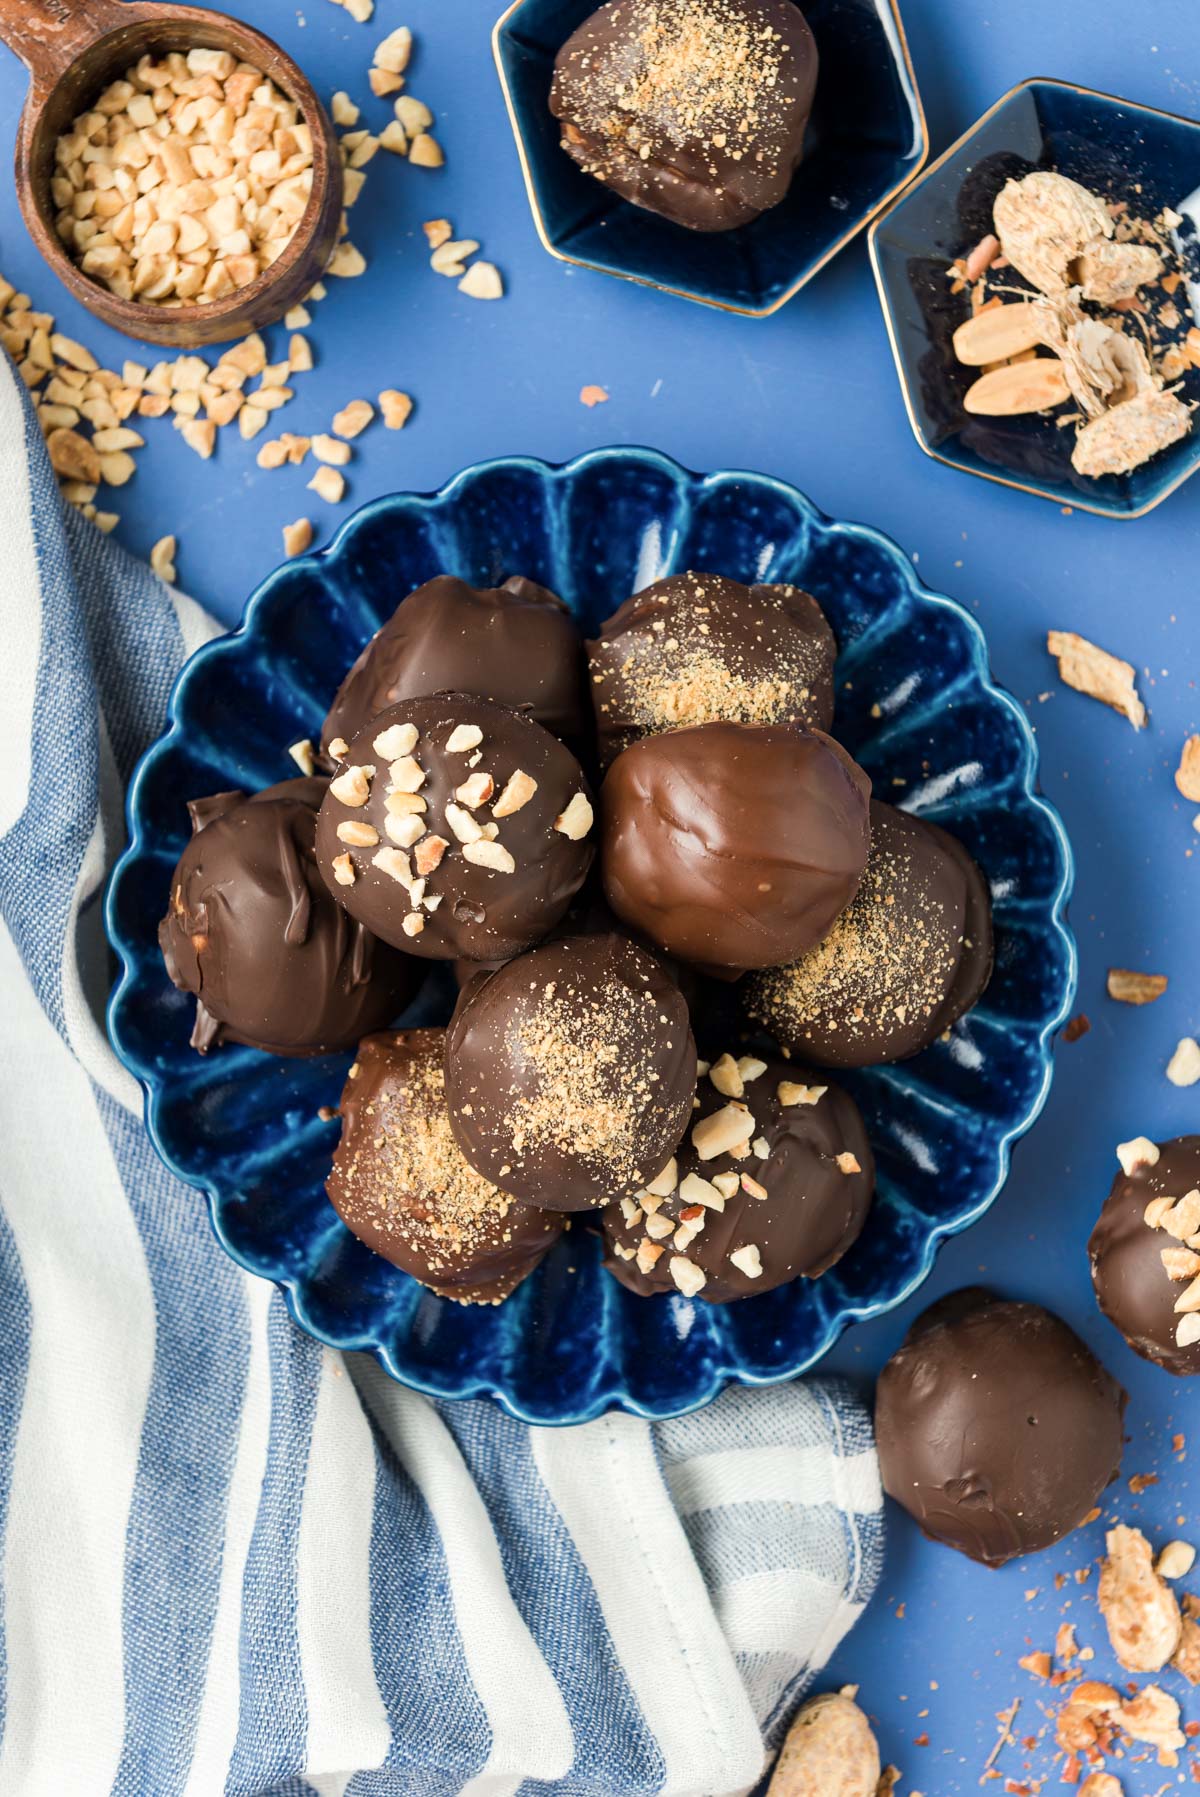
x: 516, y: 644
x: 252, y: 931
x: 997, y: 1428
x: 400, y: 1183
x: 700, y: 649
x: 787, y: 1199
x: 456, y: 829
x: 909, y: 954
x: 570, y: 1072
x: 694, y: 109
x: 1142, y: 1269
x: 734, y: 845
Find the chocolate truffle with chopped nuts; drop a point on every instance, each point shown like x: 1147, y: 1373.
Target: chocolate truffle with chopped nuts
x: 697, y: 648
x: 252, y: 931
x: 772, y: 1181
x: 570, y: 1072
x: 1145, y: 1251
x: 401, y: 1185
x: 456, y: 829
x: 909, y: 954
x: 997, y: 1428
x: 694, y: 109
x: 734, y: 845
x: 516, y: 644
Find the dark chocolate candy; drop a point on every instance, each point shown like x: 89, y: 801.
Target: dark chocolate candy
x: 734, y: 845
x: 516, y: 643
x: 252, y: 931
x: 997, y: 1428
x: 401, y: 1185
x: 909, y: 954
x: 1141, y: 1270
x: 470, y: 837
x: 694, y: 109
x: 570, y: 1072
x: 698, y: 649
x: 777, y: 1204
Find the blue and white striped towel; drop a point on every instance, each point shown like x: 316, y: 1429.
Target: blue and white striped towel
x: 235, y: 1562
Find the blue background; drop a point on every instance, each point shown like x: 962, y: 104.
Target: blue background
x: 810, y: 395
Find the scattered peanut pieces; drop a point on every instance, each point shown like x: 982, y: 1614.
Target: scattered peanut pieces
x: 1142, y: 1615
x: 1183, y: 1068
x: 328, y: 484
x: 396, y: 408
x: 482, y: 281
x: 297, y: 537
x: 1187, y: 774
x: 829, y: 1748
x: 1077, y: 1027
x: 1132, y: 988
x: 425, y: 151
x: 438, y: 231
x: 162, y: 559
x: 593, y: 396
x: 1094, y: 671
x: 354, y: 418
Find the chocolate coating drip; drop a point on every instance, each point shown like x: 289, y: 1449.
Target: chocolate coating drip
x: 997, y: 1427
x: 570, y: 1072
x: 475, y: 899
x: 694, y: 109
x: 910, y: 953
x: 734, y: 845
x: 516, y: 644
x: 797, y: 1213
x: 400, y: 1183
x: 253, y: 932
x: 700, y: 649
x: 1134, y: 1288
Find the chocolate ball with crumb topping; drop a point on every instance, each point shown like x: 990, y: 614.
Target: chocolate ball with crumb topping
x: 909, y: 954
x: 1145, y: 1251
x: 698, y: 649
x: 694, y: 109
x: 400, y: 1183
x: 772, y: 1182
x: 456, y: 829
x: 734, y: 845
x: 570, y: 1072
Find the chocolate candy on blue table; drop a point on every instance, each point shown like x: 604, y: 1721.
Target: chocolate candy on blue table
x: 698, y: 649
x: 694, y: 109
x: 1145, y: 1251
x: 772, y: 1181
x: 997, y: 1428
x: 252, y: 931
x: 400, y: 1183
x: 734, y: 845
x: 456, y: 829
x: 570, y: 1072
x: 515, y: 643
x: 909, y: 954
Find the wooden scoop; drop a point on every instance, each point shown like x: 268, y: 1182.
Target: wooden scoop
x: 72, y: 49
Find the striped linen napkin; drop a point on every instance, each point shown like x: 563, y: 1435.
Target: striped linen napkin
x: 237, y: 1562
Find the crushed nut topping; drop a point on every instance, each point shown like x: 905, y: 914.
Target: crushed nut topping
x: 351, y: 787
x: 576, y: 820
x: 722, y: 1131
x: 1140, y: 1152
x: 1142, y: 1616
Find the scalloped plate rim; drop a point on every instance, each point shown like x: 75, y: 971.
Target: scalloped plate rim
x: 722, y: 1373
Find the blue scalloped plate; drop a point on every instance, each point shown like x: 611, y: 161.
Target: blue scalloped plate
x: 916, y: 705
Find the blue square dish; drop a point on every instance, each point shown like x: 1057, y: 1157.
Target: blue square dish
x: 1119, y: 150
x: 917, y: 707
x: 866, y: 139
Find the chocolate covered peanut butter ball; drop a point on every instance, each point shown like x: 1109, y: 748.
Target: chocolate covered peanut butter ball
x: 734, y: 845
x: 1145, y: 1251
x: 456, y: 829
x: 252, y: 930
x: 699, y: 649
x: 570, y: 1072
x: 400, y: 1183
x: 772, y: 1181
x: 997, y: 1428
x: 516, y: 644
x: 910, y: 953
x: 694, y: 109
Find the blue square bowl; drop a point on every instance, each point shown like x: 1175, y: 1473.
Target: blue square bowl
x: 1119, y: 150
x: 866, y: 140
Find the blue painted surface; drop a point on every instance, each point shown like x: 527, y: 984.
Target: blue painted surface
x: 811, y: 396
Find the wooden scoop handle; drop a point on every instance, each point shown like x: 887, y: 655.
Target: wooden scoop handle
x: 48, y: 35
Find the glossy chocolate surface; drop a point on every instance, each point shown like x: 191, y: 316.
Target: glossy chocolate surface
x: 734, y: 845
x: 997, y: 1428
x: 252, y: 931
x: 570, y: 1072
x: 1134, y: 1288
